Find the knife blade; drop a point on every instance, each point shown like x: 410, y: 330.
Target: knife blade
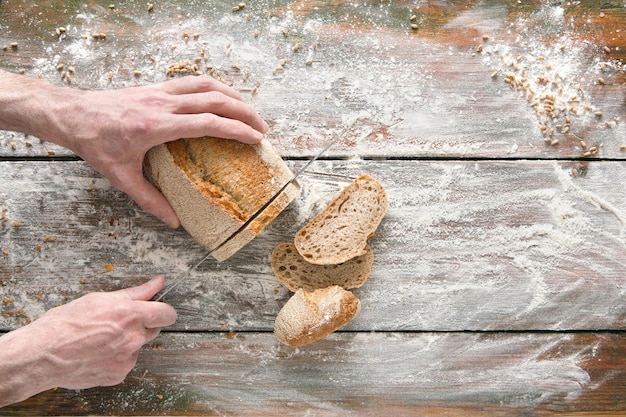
x: 180, y: 278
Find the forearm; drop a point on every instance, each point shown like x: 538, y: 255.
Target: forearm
x: 23, y: 367
x: 33, y: 106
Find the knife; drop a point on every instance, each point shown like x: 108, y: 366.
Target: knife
x: 180, y: 278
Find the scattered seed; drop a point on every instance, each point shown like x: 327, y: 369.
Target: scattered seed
x: 601, y: 81
x: 150, y: 7
x: 607, y: 49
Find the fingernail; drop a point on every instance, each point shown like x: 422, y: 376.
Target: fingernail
x: 172, y: 222
x: 266, y: 127
x: 258, y: 136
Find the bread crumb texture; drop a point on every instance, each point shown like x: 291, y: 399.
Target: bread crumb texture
x: 310, y: 316
x: 295, y: 272
x: 340, y: 231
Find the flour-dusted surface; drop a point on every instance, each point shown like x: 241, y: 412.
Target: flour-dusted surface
x: 498, y: 131
x: 478, y: 245
x: 358, y: 70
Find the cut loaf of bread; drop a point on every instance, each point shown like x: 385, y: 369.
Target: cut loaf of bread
x: 216, y: 185
x: 310, y: 316
x: 295, y: 272
x: 340, y: 231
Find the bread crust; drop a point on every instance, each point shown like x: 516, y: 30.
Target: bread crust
x: 310, y: 316
x: 340, y: 231
x: 215, y: 185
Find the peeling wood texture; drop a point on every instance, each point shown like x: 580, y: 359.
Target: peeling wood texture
x: 498, y: 284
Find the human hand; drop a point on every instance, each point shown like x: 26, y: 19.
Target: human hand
x: 94, y: 340
x: 113, y: 129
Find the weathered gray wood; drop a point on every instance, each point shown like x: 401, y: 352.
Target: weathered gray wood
x: 465, y: 245
x: 362, y: 374
x: 398, y: 91
x: 518, y: 248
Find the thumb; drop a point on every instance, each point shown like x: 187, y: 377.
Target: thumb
x: 152, y: 201
x: 146, y: 291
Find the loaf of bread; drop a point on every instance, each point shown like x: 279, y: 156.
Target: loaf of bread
x: 340, y: 231
x: 310, y: 316
x: 216, y: 185
x: 295, y: 272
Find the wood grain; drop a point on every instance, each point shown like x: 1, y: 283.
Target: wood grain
x: 465, y: 245
x: 498, y: 279
x: 362, y: 374
x: 386, y: 89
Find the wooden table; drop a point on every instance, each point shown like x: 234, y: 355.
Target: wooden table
x: 499, y: 131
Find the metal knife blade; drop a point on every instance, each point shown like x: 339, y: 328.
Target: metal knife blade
x: 180, y: 278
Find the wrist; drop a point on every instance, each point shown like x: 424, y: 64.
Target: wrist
x: 35, y: 107
x: 24, y: 366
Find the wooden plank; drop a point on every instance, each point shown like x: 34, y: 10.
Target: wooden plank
x: 362, y: 374
x: 397, y: 91
x: 466, y: 245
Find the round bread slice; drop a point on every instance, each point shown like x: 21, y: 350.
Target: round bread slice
x: 295, y: 272
x: 340, y: 231
x: 216, y: 185
x: 310, y: 316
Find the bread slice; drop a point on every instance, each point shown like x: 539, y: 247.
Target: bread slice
x: 215, y: 185
x: 340, y: 231
x: 295, y: 272
x: 310, y: 316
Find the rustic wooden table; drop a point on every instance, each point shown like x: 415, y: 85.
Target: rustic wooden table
x: 499, y: 131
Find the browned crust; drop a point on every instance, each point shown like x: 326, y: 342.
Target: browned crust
x: 215, y: 185
x: 310, y: 316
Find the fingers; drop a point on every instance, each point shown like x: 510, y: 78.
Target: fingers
x: 157, y: 315
x: 212, y: 109
x: 154, y: 315
x: 145, y: 291
x: 221, y: 105
x: 151, y: 200
x: 200, y: 84
x: 198, y: 125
